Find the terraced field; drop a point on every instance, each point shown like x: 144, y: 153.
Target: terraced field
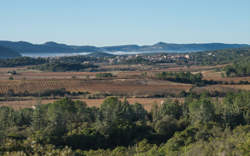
x: 117, y: 86
x: 124, y: 83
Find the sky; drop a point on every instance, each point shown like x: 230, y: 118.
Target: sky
x: 119, y: 22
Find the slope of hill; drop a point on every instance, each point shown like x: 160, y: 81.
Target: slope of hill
x: 53, y: 47
x: 161, y: 46
x: 8, y: 53
x: 48, y: 47
x: 222, y: 56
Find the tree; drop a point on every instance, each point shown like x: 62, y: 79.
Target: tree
x: 171, y: 108
x: 24, y: 117
x: 236, y: 109
x: 60, y: 114
x: 113, y: 110
x: 139, y: 113
x: 7, y: 117
x: 37, y: 119
x: 166, y: 126
x: 202, y: 110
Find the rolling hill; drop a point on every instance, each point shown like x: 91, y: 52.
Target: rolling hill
x: 53, y: 47
x: 8, y: 53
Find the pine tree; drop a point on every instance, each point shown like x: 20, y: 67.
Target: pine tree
x: 37, y: 116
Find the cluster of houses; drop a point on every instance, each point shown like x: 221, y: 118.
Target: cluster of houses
x: 158, y: 58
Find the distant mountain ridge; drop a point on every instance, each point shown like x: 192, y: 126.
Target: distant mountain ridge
x: 53, y: 47
x: 8, y: 53
x: 49, y: 47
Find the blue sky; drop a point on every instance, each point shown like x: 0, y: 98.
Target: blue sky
x: 114, y: 22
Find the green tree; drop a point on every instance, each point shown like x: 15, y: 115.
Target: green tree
x: 202, y: 110
x: 171, y: 108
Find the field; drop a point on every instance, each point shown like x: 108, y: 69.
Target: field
x: 132, y: 84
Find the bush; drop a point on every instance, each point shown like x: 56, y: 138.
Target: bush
x: 104, y: 75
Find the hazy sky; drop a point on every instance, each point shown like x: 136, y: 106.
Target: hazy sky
x: 113, y: 22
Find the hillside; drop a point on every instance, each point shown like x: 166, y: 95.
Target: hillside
x: 48, y: 47
x: 8, y: 53
x: 53, y: 47
x: 161, y: 46
x: 222, y: 56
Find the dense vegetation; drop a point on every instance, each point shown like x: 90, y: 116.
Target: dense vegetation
x: 198, y: 126
x: 45, y: 93
x: 104, y: 75
x: 63, y: 67
x: 21, y: 61
x: 219, y: 56
x: 77, y: 59
x: 196, y: 79
x: 187, y: 77
x: 183, y: 77
x: 24, y: 61
x: 241, y: 68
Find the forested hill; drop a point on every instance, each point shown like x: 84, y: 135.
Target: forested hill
x: 50, y: 47
x: 220, y: 56
x: 8, y: 53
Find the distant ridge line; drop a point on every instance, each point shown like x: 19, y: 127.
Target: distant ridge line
x: 53, y: 47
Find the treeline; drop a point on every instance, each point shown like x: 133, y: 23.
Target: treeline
x: 197, y: 126
x: 196, y: 79
x: 184, y: 77
x: 24, y: 61
x: 45, y: 93
x: 239, y: 69
x: 63, y: 67
x: 219, y: 56
x: 61, y: 92
x: 21, y: 61
x: 80, y: 59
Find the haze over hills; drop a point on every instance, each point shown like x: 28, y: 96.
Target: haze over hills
x: 53, y: 47
x: 8, y: 53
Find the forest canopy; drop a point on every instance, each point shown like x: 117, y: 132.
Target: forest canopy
x: 197, y: 126
x: 239, y: 69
